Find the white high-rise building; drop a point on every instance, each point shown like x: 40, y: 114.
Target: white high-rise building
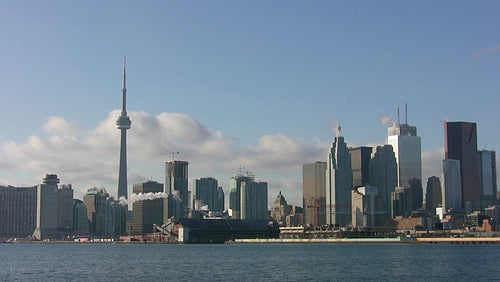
x: 338, y: 183
x: 407, y: 149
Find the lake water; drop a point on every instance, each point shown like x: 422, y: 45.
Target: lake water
x: 235, y: 262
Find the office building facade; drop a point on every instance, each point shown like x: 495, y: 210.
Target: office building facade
x: 313, y: 193
x: 247, y: 198
x: 54, y: 213
x: 452, y: 188
x: 208, y: 193
x: 407, y: 150
x: 461, y: 145
x: 145, y: 213
x: 488, y: 174
x: 364, y: 206
x: 384, y: 176
x: 17, y: 211
x: 360, y: 165
x: 176, y: 185
x: 433, y: 196
x: 338, y: 184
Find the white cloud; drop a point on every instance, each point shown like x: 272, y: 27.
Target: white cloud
x: 88, y: 158
x: 492, y: 50
x: 60, y: 126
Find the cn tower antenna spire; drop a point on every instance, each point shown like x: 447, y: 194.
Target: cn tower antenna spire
x: 124, y: 89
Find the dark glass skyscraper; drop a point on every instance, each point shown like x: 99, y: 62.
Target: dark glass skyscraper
x: 433, y: 196
x: 360, y: 165
x: 461, y: 144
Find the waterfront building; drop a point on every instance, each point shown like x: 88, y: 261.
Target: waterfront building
x: 338, y: 183
x: 80, y: 220
x: 208, y: 192
x: 433, y: 196
x: 364, y: 207
x: 248, y: 198
x: 145, y: 213
x: 384, y: 176
x: 114, y: 220
x: 17, y: 211
x: 360, y: 165
x: 488, y: 174
x: 176, y: 186
x: 313, y: 192
x: 280, y: 209
x: 95, y: 202
x: 54, y: 209
x: 235, y: 192
x: 461, y: 145
x: 254, y: 201
x: 452, y: 191
x: 407, y: 150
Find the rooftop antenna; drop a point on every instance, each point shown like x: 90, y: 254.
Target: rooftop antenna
x: 398, y: 116
x: 406, y: 113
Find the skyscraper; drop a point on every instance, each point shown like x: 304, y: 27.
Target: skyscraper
x: 253, y: 200
x: 123, y: 123
x: 384, y: 176
x: 461, y: 144
x: 247, y: 198
x: 338, y: 183
x: 360, y: 165
x: 488, y: 170
x: 452, y: 195
x: 54, y: 208
x: 407, y: 149
x: 313, y: 193
x: 207, y: 191
x: 176, y: 186
x: 433, y: 196
x: 95, y: 202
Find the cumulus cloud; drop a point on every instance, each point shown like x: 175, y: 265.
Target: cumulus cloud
x: 88, y: 158
x: 60, y: 126
x: 492, y: 50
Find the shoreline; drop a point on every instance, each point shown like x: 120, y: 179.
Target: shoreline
x: 398, y: 240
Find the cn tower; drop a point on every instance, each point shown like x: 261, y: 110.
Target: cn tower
x: 123, y: 123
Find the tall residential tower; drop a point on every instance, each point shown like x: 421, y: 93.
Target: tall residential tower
x: 123, y: 123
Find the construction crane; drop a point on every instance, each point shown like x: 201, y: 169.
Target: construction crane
x: 172, y: 153
x: 316, y: 210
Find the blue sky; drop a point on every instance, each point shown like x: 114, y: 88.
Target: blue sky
x: 229, y: 83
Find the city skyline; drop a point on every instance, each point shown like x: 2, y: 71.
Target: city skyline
x: 259, y: 86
